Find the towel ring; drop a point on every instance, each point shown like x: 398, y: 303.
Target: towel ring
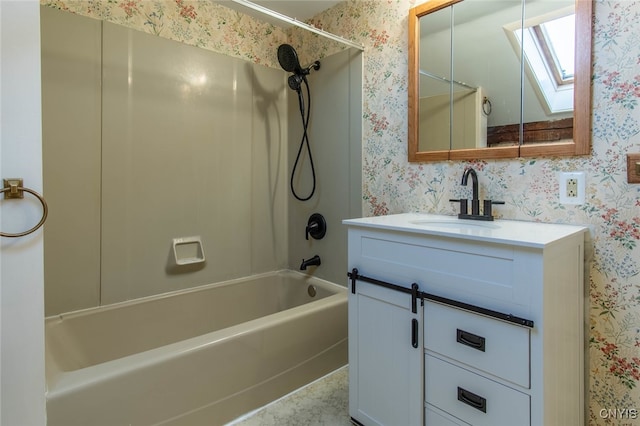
x: 15, y: 192
x: 486, y: 106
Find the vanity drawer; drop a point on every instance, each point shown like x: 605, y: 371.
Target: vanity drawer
x: 490, y: 345
x: 495, y: 276
x: 474, y: 399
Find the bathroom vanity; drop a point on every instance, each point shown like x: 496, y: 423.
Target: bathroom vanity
x: 462, y: 322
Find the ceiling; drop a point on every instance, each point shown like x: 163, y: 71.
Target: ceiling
x: 298, y: 9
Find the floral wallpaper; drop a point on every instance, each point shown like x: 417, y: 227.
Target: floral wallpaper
x: 528, y: 186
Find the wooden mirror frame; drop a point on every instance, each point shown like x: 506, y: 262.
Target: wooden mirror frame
x: 581, y: 144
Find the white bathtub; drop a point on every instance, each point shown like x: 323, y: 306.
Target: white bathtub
x: 196, y: 357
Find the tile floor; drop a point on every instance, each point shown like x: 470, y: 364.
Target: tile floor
x: 321, y: 403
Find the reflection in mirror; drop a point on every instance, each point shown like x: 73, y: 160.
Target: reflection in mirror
x: 499, y: 107
x: 549, y: 54
x: 547, y: 95
x: 483, y: 59
x: 435, y: 80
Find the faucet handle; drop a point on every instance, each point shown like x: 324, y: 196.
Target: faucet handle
x: 316, y: 227
x: 312, y: 227
x: 463, y: 205
x: 486, y: 211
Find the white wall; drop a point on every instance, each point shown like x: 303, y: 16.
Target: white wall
x: 21, y: 262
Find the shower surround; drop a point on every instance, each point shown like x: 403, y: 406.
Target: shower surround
x: 175, y: 140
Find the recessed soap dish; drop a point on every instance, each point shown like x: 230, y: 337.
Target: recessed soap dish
x: 188, y: 250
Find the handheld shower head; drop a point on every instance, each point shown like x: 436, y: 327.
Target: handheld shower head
x: 295, y: 80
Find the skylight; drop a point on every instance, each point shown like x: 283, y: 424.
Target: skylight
x: 548, y: 42
x: 557, y: 40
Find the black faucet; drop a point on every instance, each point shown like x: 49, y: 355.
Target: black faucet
x: 475, y: 200
x: 314, y: 261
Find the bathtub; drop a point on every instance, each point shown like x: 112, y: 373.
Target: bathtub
x: 195, y: 357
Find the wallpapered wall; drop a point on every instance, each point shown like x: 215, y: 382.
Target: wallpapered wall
x: 529, y: 186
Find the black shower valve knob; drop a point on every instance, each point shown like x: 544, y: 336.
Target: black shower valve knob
x: 316, y: 227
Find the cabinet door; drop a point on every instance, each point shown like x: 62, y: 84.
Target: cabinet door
x: 385, y: 357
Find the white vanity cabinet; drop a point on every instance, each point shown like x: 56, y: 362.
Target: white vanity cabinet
x: 457, y: 322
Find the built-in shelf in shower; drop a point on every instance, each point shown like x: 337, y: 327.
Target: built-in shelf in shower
x: 188, y: 250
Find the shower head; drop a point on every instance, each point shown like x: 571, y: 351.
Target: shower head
x: 289, y: 62
x: 288, y: 59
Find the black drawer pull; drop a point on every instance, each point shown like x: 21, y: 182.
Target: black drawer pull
x: 469, y: 339
x: 473, y: 400
x: 414, y: 333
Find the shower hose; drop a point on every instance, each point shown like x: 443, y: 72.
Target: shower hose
x: 303, y: 141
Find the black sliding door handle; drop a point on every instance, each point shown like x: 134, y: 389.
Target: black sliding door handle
x: 414, y: 333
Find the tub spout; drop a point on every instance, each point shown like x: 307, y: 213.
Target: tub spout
x: 314, y: 261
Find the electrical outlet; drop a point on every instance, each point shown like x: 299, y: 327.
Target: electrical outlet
x: 572, y: 187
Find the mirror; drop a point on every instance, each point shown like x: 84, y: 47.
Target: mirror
x: 472, y: 97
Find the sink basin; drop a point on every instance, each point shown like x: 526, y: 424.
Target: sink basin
x: 454, y: 223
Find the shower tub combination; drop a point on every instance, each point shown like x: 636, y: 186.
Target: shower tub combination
x: 200, y: 356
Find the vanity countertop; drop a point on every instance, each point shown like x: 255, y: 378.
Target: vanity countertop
x: 521, y: 233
